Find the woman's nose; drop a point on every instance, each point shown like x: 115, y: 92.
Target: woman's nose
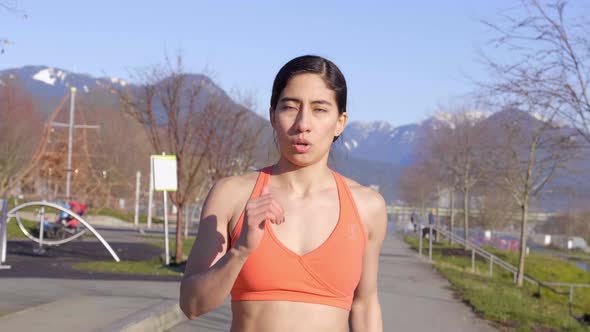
x: 302, y: 121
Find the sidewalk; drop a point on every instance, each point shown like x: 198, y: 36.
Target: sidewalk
x: 413, y: 296
x: 87, y: 305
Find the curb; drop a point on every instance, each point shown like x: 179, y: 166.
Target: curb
x: 159, y: 317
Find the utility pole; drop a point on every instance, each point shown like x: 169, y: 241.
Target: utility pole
x: 71, y: 126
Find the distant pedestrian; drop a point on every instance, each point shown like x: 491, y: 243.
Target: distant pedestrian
x: 413, y: 220
x: 431, y: 220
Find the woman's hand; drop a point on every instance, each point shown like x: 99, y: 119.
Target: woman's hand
x: 258, y: 211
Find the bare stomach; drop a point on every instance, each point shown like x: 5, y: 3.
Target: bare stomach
x: 262, y: 316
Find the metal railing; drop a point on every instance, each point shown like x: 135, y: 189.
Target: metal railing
x: 493, y: 259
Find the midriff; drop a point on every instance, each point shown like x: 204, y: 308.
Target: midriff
x: 285, y: 316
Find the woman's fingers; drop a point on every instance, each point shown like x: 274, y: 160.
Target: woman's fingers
x: 265, y: 207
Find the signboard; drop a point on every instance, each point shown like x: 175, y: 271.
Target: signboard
x: 164, y: 172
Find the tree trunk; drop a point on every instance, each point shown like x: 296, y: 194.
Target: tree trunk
x: 452, y: 213
x: 466, y: 214
x: 523, y: 237
x: 179, y: 253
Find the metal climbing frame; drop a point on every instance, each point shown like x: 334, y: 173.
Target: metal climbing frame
x: 13, y: 214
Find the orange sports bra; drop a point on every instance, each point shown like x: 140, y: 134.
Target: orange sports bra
x: 327, y: 275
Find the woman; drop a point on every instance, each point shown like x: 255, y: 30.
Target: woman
x: 296, y: 244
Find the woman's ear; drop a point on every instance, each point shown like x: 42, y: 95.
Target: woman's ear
x: 342, y: 118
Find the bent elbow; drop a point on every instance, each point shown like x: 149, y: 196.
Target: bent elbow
x: 193, y: 308
x: 191, y: 311
x: 194, y: 303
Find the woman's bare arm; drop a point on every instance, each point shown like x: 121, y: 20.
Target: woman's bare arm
x: 211, y: 269
x: 366, y: 309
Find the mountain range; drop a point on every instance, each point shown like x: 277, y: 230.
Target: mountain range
x: 372, y: 153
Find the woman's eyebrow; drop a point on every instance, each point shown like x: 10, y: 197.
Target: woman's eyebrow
x: 287, y: 99
x: 298, y: 101
x: 322, y: 102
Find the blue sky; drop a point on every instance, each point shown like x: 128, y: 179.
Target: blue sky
x: 400, y: 58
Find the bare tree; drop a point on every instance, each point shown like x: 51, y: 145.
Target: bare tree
x: 117, y: 148
x: 184, y: 116
x: 496, y: 208
x: 454, y: 148
x: 524, y: 155
x: 549, y: 55
x: 20, y: 128
x: 234, y: 135
x: 437, y: 154
x: 547, y: 78
x: 417, y: 186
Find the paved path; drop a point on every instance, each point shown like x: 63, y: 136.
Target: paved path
x: 414, y: 297
x: 35, y: 304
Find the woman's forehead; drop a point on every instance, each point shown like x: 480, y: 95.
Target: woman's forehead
x: 308, y: 87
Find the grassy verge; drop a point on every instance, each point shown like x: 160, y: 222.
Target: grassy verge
x: 573, y: 255
x: 152, y: 266
x: 187, y: 243
x: 149, y: 267
x: 499, y: 300
x: 14, y: 232
x: 125, y: 216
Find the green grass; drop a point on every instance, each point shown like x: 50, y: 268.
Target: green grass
x: 152, y: 266
x: 14, y: 232
x: 499, y: 300
x: 147, y: 267
x: 187, y: 243
x: 122, y: 215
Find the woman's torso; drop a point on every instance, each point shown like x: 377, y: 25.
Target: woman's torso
x: 310, y: 223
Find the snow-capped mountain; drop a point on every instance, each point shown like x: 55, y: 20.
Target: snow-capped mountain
x: 379, y: 141
x: 450, y: 119
x: 373, y: 153
x: 43, y: 81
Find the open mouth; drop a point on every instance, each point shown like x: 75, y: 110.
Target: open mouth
x: 301, y: 145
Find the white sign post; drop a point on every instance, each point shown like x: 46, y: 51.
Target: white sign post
x: 164, y: 173
x: 151, y: 195
x: 137, y: 193
x: 3, y: 221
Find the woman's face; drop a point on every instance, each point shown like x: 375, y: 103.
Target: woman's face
x: 306, y: 119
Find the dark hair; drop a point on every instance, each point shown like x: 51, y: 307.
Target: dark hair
x: 311, y: 64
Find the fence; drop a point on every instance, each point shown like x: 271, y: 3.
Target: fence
x: 495, y: 260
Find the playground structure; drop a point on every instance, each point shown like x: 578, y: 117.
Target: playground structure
x: 65, y: 165
x: 40, y: 239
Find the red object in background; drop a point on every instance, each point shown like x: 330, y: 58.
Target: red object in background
x: 79, y: 209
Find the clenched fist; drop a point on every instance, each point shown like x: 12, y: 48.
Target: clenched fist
x: 258, y: 211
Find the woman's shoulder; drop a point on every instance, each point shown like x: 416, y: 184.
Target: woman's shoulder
x: 369, y: 202
x: 229, y: 194
x: 364, y: 194
x: 237, y: 184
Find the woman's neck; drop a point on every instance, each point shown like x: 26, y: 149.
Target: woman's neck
x: 301, y: 180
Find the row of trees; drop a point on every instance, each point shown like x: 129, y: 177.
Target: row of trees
x: 20, y: 130
x: 211, y: 135
x: 169, y: 110
x: 508, y: 159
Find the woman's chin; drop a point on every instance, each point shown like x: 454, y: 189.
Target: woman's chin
x: 302, y: 160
